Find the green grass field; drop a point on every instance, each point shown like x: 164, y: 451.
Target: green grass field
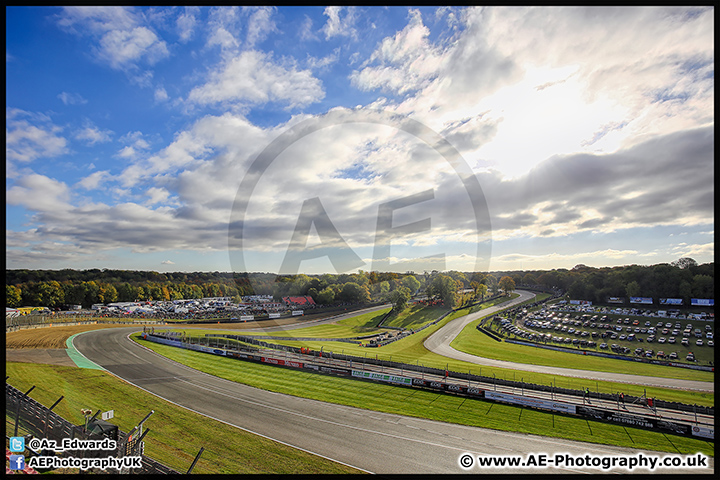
x: 175, y: 434
x: 415, y: 316
x: 426, y: 404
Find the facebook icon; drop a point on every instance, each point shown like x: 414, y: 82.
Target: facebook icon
x: 17, y: 462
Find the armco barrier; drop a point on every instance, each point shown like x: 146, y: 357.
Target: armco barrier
x: 452, y: 388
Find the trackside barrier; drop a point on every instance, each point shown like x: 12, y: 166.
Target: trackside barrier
x: 449, y: 387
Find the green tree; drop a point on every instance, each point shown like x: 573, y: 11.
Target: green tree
x: 684, y: 262
x: 326, y: 296
x: 399, y: 299
x: 482, y: 290
x: 633, y: 289
x: 354, y: 293
x: 13, y: 296
x: 411, y: 283
x: 107, y: 293
x: 50, y: 294
x: 445, y: 288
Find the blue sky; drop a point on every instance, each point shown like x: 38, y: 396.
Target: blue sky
x: 537, y: 138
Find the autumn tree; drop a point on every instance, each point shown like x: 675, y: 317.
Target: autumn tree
x: 506, y: 284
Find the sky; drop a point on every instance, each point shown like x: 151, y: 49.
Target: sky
x: 337, y: 139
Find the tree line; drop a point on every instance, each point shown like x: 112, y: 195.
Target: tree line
x: 53, y: 288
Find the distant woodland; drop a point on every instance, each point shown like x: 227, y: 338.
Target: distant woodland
x: 683, y: 278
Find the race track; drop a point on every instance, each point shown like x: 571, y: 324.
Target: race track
x: 371, y: 441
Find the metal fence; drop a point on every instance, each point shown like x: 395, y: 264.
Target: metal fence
x: 25, y: 416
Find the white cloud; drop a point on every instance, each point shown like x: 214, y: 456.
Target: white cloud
x: 260, y: 24
x: 306, y: 30
x: 94, y: 180
x: 123, y: 41
x: 161, y: 95
x: 31, y: 136
x: 186, y: 23
x: 157, y: 195
x: 407, y: 60
x: 72, y: 98
x: 92, y: 135
x: 337, y: 26
x: 252, y: 78
x: 39, y: 193
x: 222, y: 28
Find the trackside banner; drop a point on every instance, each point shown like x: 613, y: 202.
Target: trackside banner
x: 277, y: 361
x: 530, y: 402
x: 382, y: 377
x: 703, y: 432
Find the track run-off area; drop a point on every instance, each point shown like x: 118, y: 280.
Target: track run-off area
x: 368, y: 440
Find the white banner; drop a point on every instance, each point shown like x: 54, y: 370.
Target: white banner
x: 382, y: 377
x: 703, y: 432
x: 245, y: 318
x: 297, y: 312
x: 530, y: 402
x: 274, y: 315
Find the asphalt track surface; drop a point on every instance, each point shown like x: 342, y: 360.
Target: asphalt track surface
x: 371, y: 441
x: 439, y: 343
